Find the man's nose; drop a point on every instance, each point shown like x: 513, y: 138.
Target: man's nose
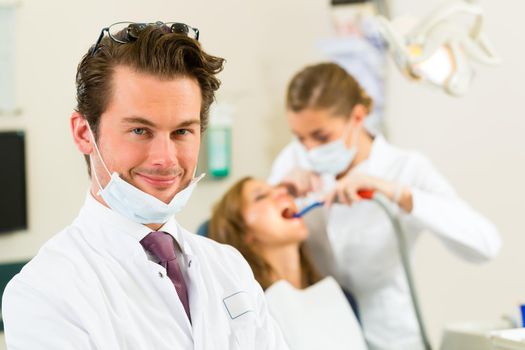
x: 163, y: 151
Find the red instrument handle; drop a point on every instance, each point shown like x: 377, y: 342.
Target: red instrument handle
x: 366, y: 194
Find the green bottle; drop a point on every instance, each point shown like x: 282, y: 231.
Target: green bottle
x: 219, y: 136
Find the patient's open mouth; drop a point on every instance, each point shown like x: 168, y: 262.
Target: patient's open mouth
x: 288, y: 213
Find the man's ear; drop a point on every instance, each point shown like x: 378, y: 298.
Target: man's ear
x: 81, y: 133
x: 359, y: 113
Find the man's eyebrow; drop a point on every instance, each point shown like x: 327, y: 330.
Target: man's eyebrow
x: 190, y: 123
x: 138, y: 120
x: 146, y: 122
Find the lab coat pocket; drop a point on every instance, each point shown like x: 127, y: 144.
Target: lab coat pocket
x: 239, y: 304
x: 241, y: 313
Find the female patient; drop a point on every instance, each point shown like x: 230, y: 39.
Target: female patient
x: 250, y: 218
x: 256, y: 218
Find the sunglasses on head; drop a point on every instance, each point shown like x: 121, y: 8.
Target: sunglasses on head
x: 125, y: 32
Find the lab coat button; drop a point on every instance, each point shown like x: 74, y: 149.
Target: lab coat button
x: 161, y: 275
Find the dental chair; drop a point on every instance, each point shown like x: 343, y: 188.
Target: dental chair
x: 203, y: 228
x: 7, y: 272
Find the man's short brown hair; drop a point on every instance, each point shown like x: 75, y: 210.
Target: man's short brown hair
x: 155, y: 52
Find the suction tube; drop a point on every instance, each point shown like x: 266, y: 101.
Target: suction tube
x: 387, y: 206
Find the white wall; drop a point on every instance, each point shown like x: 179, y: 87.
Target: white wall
x: 475, y: 141
x: 255, y: 42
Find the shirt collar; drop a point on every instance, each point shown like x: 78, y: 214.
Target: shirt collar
x: 177, y: 232
x: 94, y: 215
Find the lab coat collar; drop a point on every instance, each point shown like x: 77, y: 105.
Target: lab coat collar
x: 95, y: 215
x: 380, y: 150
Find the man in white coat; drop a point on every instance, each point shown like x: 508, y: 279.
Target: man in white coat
x: 125, y: 274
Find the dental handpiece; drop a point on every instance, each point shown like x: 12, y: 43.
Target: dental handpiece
x: 306, y: 209
x: 365, y: 194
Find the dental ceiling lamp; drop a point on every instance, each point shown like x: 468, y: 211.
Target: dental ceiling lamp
x: 440, y: 49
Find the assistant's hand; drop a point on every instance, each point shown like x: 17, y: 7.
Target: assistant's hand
x: 346, y: 190
x: 300, y: 182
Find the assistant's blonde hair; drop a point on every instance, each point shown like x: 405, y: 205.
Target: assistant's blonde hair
x: 326, y: 86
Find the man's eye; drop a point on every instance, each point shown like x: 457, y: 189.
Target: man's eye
x: 182, y: 131
x: 139, y: 131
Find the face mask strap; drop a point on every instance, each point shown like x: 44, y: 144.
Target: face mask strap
x: 197, y: 179
x: 99, y: 156
x: 94, y: 172
x: 354, y: 136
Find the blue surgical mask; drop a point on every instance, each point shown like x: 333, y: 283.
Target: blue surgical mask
x: 135, y: 204
x: 332, y: 158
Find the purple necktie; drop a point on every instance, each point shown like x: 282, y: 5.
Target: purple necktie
x: 162, y: 246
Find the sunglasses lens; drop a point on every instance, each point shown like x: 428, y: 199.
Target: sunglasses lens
x: 181, y: 28
x: 120, y: 31
x: 124, y: 32
x: 135, y: 29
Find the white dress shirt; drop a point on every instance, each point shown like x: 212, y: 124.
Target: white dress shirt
x: 363, y: 244
x: 92, y: 286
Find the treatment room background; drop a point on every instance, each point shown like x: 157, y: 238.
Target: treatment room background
x: 477, y: 140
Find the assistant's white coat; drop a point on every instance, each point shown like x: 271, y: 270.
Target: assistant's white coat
x: 365, y: 249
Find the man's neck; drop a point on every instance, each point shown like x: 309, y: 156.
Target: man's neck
x: 94, y: 191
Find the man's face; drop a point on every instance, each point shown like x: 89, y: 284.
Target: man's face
x: 150, y: 133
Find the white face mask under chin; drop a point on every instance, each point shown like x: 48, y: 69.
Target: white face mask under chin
x: 333, y: 158
x: 135, y: 204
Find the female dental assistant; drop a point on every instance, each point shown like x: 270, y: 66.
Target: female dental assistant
x: 333, y: 155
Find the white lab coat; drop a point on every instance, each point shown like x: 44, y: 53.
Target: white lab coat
x: 92, y: 286
x: 364, y: 249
